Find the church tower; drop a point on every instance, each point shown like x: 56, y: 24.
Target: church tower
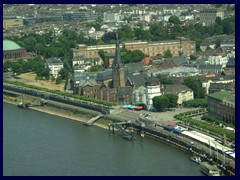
x: 118, y: 69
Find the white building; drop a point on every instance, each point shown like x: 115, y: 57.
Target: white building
x: 184, y: 93
x: 111, y: 17
x: 218, y: 60
x: 55, y: 65
x: 153, y: 89
x: 206, y: 84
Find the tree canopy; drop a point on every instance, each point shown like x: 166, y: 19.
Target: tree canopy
x: 167, y: 54
x: 165, y: 101
x: 132, y: 56
x: 174, y: 20
x: 164, y: 79
x: 196, y: 86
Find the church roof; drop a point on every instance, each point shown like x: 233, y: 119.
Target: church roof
x: 87, y: 82
x: 136, y: 79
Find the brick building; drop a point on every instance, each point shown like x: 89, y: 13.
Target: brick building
x: 148, y: 48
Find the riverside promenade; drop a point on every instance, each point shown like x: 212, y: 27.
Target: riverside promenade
x: 156, y: 117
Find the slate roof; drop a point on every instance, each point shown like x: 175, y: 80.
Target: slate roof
x: 87, y: 82
x: 219, y: 86
x: 136, y: 79
x: 152, y: 79
x: 231, y: 63
x: 54, y: 60
x: 209, y: 67
x: 176, y: 88
x: 211, y: 40
x: 133, y: 67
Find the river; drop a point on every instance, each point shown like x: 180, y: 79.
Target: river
x: 39, y: 144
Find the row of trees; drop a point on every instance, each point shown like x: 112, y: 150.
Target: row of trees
x: 165, y: 101
x: 210, y: 127
x: 196, y: 103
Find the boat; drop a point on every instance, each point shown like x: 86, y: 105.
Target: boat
x: 196, y: 159
x: 209, y: 170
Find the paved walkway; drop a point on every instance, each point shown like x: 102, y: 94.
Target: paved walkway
x: 126, y: 114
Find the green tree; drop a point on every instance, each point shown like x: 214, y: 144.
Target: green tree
x: 126, y: 33
x: 7, y: 65
x: 217, y: 43
x: 158, y: 31
x: 173, y: 99
x: 64, y: 73
x: 30, y: 43
x: 160, y: 102
x: 101, y: 53
x: 167, y: 54
x: 164, y: 79
x: 174, y: 20
x: 196, y: 103
x: 132, y: 56
x: 107, y: 37
x: 196, y: 86
x: 192, y: 57
x: 58, y: 80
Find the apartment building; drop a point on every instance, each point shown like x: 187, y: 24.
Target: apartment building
x: 55, y: 65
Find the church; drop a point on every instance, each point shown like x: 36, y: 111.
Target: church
x: 133, y: 88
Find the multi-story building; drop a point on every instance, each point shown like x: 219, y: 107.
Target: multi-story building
x: 218, y: 60
x: 221, y: 105
x: 149, y: 48
x: 111, y: 17
x: 152, y: 89
x: 8, y: 23
x: 55, y: 65
x: 78, y: 16
x: 208, y: 16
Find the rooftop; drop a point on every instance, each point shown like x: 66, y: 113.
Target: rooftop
x: 10, y: 45
x: 223, y: 95
x: 54, y: 60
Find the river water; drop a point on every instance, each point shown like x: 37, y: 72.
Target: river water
x: 39, y: 144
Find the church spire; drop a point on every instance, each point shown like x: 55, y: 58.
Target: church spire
x: 117, y: 60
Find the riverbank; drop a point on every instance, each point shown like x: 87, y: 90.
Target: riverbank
x: 58, y: 112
